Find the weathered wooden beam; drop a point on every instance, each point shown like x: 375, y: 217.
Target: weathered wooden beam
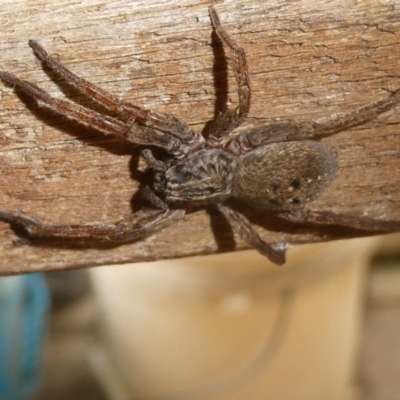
x: 308, y: 60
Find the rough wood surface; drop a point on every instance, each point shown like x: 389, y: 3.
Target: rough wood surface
x: 308, y: 60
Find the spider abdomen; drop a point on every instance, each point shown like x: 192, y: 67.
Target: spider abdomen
x: 285, y: 175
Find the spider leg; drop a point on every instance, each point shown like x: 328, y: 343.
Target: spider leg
x: 105, y: 124
x: 125, y: 111
x: 357, y: 117
x: 230, y: 119
x: 274, y: 131
x: 152, y: 162
x: 242, y: 226
x: 133, y: 227
x: 97, y: 94
x: 370, y: 225
x: 238, y: 63
x: 290, y: 130
x: 149, y: 195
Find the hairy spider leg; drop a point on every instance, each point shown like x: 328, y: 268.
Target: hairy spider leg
x: 152, y: 162
x: 242, y: 226
x: 230, y: 119
x: 291, y: 131
x: 238, y: 63
x: 105, y: 124
x: 272, y: 132
x: 148, y: 194
x: 132, y: 227
x: 346, y: 121
x: 125, y: 111
x: 106, y: 99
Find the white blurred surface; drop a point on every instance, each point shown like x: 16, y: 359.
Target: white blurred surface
x: 234, y: 326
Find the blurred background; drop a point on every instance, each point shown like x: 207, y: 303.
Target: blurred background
x: 230, y: 326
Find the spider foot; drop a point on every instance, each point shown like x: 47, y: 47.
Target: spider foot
x: 19, y: 220
x: 241, y: 225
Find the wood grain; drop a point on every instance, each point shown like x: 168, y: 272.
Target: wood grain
x: 308, y: 60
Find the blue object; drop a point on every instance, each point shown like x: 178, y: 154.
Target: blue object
x: 24, y: 304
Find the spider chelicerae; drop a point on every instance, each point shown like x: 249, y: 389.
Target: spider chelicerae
x: 277, y: 168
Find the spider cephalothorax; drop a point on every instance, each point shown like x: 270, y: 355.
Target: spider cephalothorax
x: 276, y: 168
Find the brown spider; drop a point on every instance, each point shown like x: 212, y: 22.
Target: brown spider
x: 276, y: 168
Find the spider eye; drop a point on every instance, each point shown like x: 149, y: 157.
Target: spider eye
x: 210, y: 190
x: 181, y: 176
x: 295, y: 184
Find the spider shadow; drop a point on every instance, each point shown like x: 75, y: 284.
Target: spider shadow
x: 220, y: 77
